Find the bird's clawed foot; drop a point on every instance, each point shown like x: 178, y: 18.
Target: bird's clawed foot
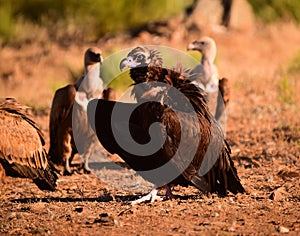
x: 169, y: 194
x: 67, y: 171
x: 87, y: 170
x: 152, y: 196
x: 84, y: 169
x: 67, y: 168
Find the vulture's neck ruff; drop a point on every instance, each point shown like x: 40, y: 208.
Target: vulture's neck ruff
x: 151, y: 74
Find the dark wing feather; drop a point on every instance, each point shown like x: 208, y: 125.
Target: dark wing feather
x: 60, y: 120
x: 22, y: 151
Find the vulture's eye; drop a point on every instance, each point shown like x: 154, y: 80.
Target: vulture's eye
x: 140, y: 57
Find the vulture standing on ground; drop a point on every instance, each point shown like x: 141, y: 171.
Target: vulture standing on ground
x: 181, y: 128
x: 206, y: 76
x: 22, y: 152
x: 62, y: 144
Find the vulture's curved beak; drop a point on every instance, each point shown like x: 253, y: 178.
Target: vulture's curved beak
x: 99, y: 58
x: 193, y: 46
x: 124, y: 64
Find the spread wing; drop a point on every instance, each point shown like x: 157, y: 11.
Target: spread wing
x: 60, y: 119
x: 22, y: 151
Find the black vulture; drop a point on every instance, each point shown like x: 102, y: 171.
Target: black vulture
x: 168, y: 137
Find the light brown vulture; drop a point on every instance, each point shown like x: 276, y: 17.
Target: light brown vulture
x: 22, y: 151
x: 62, y: 145
x: 204, y: 161
x: 206, y: 76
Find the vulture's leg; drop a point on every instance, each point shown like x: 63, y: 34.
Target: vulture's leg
x: 85, y: 161
x: 86, y: 167
x: 68, y: 170
x: 152, y: 196
x: 169, y: 194
x: 67, y: 147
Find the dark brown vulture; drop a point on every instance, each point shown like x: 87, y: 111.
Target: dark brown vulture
x: 62, y: 145
x: 188, y: 145
x: 206, y: 76
x: 22, y: 151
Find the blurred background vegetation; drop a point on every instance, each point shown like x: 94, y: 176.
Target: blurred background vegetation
x: 23, y: 20
x: 275, y: 10
x: 88, y: 19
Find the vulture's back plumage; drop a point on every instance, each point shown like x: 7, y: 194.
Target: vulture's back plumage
x: 22, y: 152
x: 60, y: 125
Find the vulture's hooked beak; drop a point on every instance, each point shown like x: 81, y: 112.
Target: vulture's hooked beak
x: 99, y: 58
x: 193, y: 46
x: 129, y: 62
x: 124, y: 64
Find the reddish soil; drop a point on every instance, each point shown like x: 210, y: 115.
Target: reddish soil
x: 263, y: 131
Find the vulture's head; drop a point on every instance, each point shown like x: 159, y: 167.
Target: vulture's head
x: 141, y: 57
x: 206, y: 46
x: 92, y: 56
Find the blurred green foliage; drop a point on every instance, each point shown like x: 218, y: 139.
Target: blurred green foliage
x: 91, y: 19
x: 294, y: 65
x: 274, y: 10
x: 289, y: 83
x: 6, y: 22
x: 87, y: 18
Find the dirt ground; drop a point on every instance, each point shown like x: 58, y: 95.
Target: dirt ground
x: 263, y: 131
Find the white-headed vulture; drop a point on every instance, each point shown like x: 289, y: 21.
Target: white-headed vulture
x: 206, y: 76
x: 62, y: 144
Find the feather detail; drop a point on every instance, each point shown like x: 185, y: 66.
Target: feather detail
x: 22, y: 152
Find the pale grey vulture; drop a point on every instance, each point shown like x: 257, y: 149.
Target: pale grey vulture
x: 62, y: 144
x: 206, y: 76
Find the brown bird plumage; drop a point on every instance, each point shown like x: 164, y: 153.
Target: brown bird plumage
x: 22, y: 151
x: 221, y: 177
x: 62, y: 146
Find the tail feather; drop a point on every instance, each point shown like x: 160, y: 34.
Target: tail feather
x: 234, y: 184
x: 223, y: 176
x: 200, y: 183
